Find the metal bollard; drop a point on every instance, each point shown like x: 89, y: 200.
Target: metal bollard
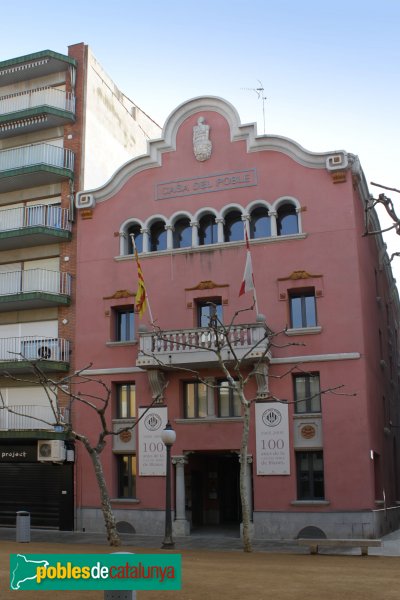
x: 120, y: 594
x: 23, y: 526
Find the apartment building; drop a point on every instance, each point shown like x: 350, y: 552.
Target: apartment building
x: 64, y: 125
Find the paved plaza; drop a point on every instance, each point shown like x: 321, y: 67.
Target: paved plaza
x: 214, y: 567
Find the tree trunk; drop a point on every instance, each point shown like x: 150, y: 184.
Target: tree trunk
x: 109, y: 518
x: 243, y: 478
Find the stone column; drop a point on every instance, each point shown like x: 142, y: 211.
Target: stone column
x: 170, y: 239
x: 220, y: 224
x: 145, y: 233
x: 274, y: 230
x: 195, y: 233
x: 180, y: 525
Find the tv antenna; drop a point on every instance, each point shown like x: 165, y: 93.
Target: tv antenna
x: 260, y: 94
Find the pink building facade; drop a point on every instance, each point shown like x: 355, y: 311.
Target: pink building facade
x: 323, y: 449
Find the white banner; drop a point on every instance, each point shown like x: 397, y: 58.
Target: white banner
x: 272, y: 438
x: 152, y: 450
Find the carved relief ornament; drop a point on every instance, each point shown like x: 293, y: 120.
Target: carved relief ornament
x: 202, y: 145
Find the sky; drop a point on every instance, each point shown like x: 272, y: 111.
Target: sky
x: 330, y: 70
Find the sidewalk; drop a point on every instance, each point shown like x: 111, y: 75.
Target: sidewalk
x: 207, y: 540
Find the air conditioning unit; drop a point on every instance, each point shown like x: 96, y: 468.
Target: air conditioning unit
x: 51, y: 450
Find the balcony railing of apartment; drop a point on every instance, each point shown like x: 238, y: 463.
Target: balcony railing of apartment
x: 34, y: 225
x: 29, y: 416
x: 41, y: 281
x: 195, y: 346
x: 45, y: 96
x: 36, y: 154
x: 33, y: 165
x: 16, y: 353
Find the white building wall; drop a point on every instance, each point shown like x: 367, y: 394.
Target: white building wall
x: 115, y: 129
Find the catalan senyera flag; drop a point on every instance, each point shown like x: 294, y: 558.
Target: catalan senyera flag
x: 140, y: 299
x: 248, y: 277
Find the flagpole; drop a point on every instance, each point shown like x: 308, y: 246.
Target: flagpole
x: 248, y: 278
x: 137, y: 260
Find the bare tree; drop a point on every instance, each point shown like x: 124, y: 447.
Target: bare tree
x: 238, y: 368
x: 372, y: 227
x: 72, y: 389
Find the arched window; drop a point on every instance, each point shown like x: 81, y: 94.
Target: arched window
x: 158, y: 236
x: 182, y: 237
x: 260, y: 223
x: 287, y: 222
x: 233, y: 227
x: 208, y: 230
x: 135, y: 231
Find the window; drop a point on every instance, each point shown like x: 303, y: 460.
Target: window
x: 307, y: 393
x: 208, y: 230
x: 182, y: 236
x: 287, y: 221
x: 158, y: 237
x: 208, y: 309
x: 124, y: 324
x: 310, y: 475
x: 134, y: 230
x: 302, y: 308
x: 260, y: 223
x: 229, y: 404
x: 126, y: 476
x: 195, y: 400
x: 233, y: 227
x: 126, y: 400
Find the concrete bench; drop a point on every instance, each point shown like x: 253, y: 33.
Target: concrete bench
x: 314, y: 544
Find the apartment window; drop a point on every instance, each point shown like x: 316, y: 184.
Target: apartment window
x: 135, y: 231
x: 260, y: 223
x: 182, y: 235
x: 303, y: 311
x: 307, y: 393
x: 287, y: 220
x: 310, y: 475
x: 126, y: 400
x: 126, y: 469
x: 195, y: 400
x: 233, y: 227
x: 207, y: 310
x: 229, y: 404
x: 208, y: 230
x: 158, y: 236
x: 124, y: 324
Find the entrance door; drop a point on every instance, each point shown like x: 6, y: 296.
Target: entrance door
x: 214, y: 495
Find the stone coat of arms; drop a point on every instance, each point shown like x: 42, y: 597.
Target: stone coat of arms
x: 202, y: 145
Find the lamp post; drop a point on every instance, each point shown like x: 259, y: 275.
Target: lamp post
x: 168, y: 436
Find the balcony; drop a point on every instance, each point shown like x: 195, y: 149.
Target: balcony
x: 37, y: 164
x: 32, y: 110
x: 193, y: 348
x: 17, y: 354
x: 34, y: 66
x: 36, y: 225
x: 34, y: 288
x: 28, y: 417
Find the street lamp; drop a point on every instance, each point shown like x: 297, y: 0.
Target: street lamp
x: 168, y: 436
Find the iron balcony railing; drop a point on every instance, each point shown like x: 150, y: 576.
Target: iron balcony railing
x: 38, y: 215
x: 35, y: 280
x: 34, y: 348
x: 193, y: 346
x: 46, y: 96
x: 36, y: 154
x: 31, y: 416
